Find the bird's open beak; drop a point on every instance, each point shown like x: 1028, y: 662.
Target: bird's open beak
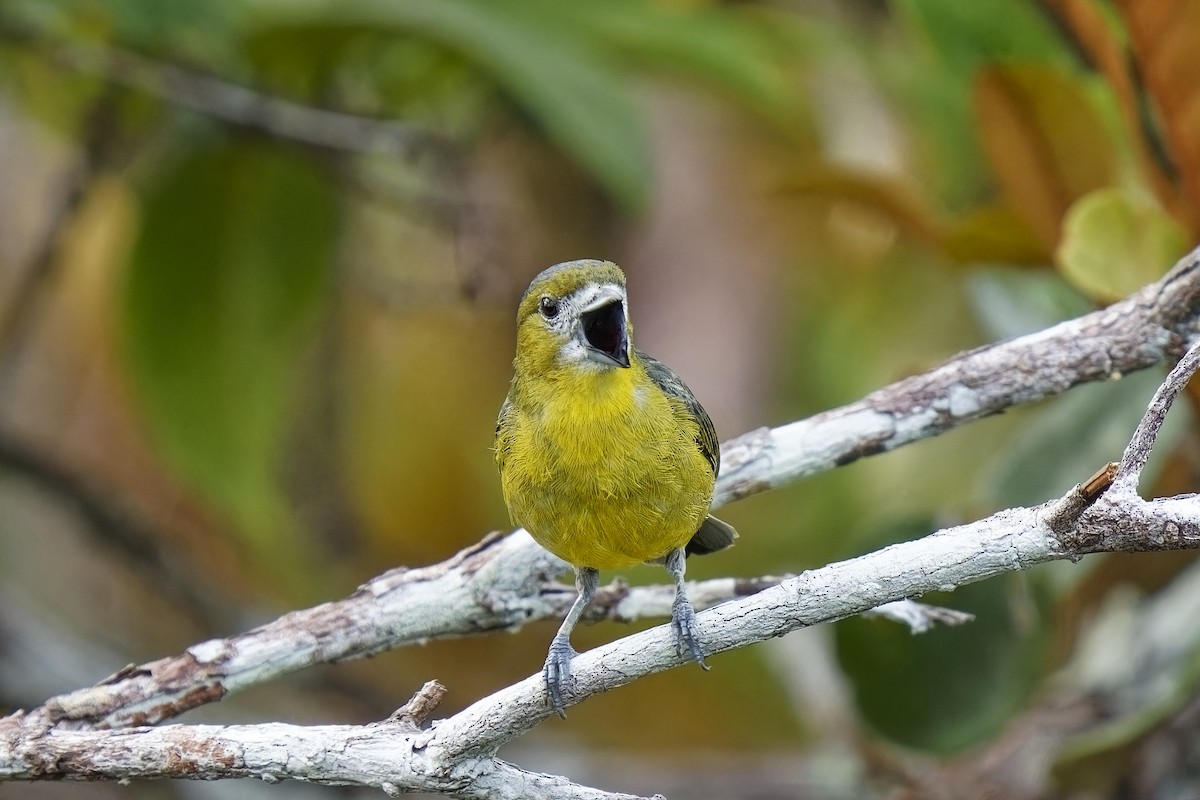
x: 602, y: 326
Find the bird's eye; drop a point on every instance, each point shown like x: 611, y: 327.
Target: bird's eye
x: 549, y: 307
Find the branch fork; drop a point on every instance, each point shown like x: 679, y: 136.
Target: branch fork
x: 107, y: 732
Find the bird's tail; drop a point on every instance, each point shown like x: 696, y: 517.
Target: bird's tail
x: 713, y: 535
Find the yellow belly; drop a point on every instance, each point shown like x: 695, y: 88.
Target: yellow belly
x: 607, y: 476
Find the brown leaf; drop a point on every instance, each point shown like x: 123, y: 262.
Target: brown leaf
x: 988, y: 233
x: 1164, y: 36
x: 995, y: 234
x: 887, y: 195
x: 1045, y: 142
x: 1100, y: 38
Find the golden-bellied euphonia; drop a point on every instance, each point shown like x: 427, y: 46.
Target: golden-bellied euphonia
x: 605, y: 456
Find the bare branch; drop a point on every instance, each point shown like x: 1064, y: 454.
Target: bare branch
x: 1011, y: 540
x: 416, y: 711
x: 1137, y: 453
x: 494, y: 585
x: 457, y: 756
x: 385, y: 755
x: 919, y: 617
x: 620, y: 602
x: 1014, y: 539
x: 1155, y: 324
x: 648, y: 602
x: 506, y: 581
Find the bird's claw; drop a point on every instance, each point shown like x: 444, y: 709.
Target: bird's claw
x: 557, y: 672
x: 687, y: 631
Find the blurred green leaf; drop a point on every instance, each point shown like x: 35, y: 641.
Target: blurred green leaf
x: 967, y: 35
x: 571, y: 68
x: 583, y: 100
x: 60, y: 104
x: 714, y: 44
x: 225, y: 282
x: 949, y: 688
x: 299, y: 62
x: 182, y: 31
x: 1114, y: 244
x: 1012, y: 302
x: 27, y: 16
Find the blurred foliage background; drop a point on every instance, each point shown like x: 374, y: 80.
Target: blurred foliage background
x: 258, y: 268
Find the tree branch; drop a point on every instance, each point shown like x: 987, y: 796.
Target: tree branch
x: 385, y: 755
x: 506, y: 581
x: 457, y: 756
x: 1137, y: 453
x: 1150, y: 326
x: 501, y: 583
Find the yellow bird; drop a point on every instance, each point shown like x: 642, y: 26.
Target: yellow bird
x: 605, y: 456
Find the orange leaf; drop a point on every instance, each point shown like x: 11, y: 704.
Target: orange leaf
x: 1164, y: 35
x: 1045, y: 141
x: 1102, y: 40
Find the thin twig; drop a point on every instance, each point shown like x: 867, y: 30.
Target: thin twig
x: 919, y: 617
x: 1137, y: 452
x: 233, y: 104
x: 416, y: 711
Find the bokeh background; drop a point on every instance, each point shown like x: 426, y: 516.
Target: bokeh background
x: 259, y: 262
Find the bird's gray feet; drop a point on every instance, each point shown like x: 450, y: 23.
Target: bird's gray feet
x: 557, y: 671
x: 687, y: 632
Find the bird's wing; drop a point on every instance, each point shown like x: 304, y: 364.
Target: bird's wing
x: 499, y: 441
x: 666, y: 379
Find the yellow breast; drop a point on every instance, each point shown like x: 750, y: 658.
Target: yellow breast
x: 602, y: 467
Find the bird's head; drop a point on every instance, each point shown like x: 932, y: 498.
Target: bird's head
x: 575, y: 314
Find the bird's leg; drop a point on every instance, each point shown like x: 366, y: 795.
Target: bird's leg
x: 558, y: 661
x: 683, y: 616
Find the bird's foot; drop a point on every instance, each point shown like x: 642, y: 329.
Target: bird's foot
x: 687, y: 632
x: 557, y: 671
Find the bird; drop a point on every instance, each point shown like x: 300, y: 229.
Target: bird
x: 605, y: 456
